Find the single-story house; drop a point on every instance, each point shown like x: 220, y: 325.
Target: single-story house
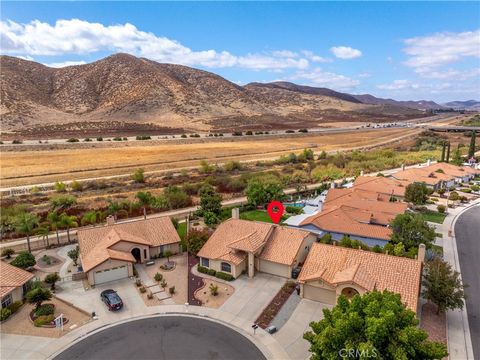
x: 239, y: 246
x: 14, y: 283
x: 108, y: 252
x: 330, y: 271
x: 382, y: 185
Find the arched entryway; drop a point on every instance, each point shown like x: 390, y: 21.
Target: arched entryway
x: 137, y: 254
x: 349, y: 292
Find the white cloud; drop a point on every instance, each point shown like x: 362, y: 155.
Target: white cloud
x: 433, y: 51
x: 65, y: 63
x: 399, y: 85
x: 78, y: 37
x: 364, y: 75
x: 345, y: 52
x: 321, y: 78
x: 310, y: 55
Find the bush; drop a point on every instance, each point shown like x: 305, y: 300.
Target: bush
x: 466, y: 190
x: 15, y: 306
x: 142, y: 289
x: 5, y: 314
x: 43, y: 320
x: 237, y: 133
x: 202, y: 269
x: 183, y: 136
x: 303, y: 131
x: 16, y: 142
x: 60, y: 187
x: 143, y: 137
x: 441, y: 209
x: 213, y: 289
x: 117, y: 139
x: 326, y: 239
x: 8, y: 252
x: 475, y: 188
x: 158, y: 277
x: 45, y: 309
x: 248, y: 133
x: 99, y: 138
x: 150, y: 296
x: 163, y: 284
x: 87, y: 139
x: 76, y: 186
x: 73, y: 140
x: 171, y: 290
x: 294, y: 209
x: 138, y: 282
x: 138, y: 176
x: 289, y: 132
x: 211, y: 272
x: 224, y: 276
x: 24, y: 260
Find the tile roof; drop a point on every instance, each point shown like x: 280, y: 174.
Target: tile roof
x: 381, y: 184
x: 95, y: 242
x: 349, y: 220
x: 12, y: 277
x: 336, y: 265
x: 430, y: 175
x: 234, y: 238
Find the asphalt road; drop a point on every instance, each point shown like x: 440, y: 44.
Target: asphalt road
x: 467, y: 232
x: 166, y: 337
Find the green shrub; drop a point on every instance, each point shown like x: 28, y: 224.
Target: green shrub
x: 211, y: 272
x: 87, y: 139
x: 16, y: 142
x: 15, y: 306
x: 163, y: 284
x: 99, y: 138
x: 60, y: 187
x: 202, y: 269
x: 466, y: 190
x: 475, y: 188
x: 158, y: 277
x: 303, y: 131
x: 224, y: 276
x: 171, y: 290
x: 138, y: 282
x: 441, y: 209
x: 289, y: 131
x: 237, y: 133
x: 213, y: 290
x: 142, y: 289
x: 294, y: 209
x: 5, y: 314
x: 143, y: 137
x: 183, y: 136
x: 72, y: 140
x: 326, y: 239
x: 24, y: 260
x: 8, y: 252
x: 45, y: 309
x: 43, y: 320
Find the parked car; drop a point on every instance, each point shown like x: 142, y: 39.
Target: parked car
x: 111, y: 299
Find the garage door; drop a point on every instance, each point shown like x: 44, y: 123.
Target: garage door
x: 107, y: 275
x: 274, y: 268
x: 318, y: 294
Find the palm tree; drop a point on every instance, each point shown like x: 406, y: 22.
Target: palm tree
x: 54, y: 221
x: 44, y: 231
x: 67, y: 222
x: 113, y: 208
x: 145, y: 199
x: 90, y: 217
x: 25, y: 223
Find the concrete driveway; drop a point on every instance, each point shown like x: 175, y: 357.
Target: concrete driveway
x: 290, y: 335
x: 89, y: 300
x: 252, y: 295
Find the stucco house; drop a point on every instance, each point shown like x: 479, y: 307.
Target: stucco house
x: 14, y: 283
x: 382, y: 185
x: 108, y: 252
x: 239, y: 246
x: 330, y: 271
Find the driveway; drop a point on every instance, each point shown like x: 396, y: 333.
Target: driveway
x: 252, y: 295
x: 467, y: 229
x: 290, y: 335
x: 89, y: 300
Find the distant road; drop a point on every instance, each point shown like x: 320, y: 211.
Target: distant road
x: 467, y: 230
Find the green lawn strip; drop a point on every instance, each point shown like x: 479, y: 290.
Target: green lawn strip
x: 182, y: 230
x: 434, y: 216
x: 258, y: 215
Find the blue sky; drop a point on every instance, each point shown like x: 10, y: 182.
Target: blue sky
x: 407, y: 50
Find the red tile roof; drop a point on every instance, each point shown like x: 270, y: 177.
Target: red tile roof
x: 12, y: 277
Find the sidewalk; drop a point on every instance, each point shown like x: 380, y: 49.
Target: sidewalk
x: 458, y: 332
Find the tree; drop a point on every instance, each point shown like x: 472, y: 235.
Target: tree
x: 411, y: 230
x: 60, y: 187
x: 195, y: 240
x: 471, y: 148
x: 167, y: 254
x: 457, y: 158
x: 323, y: 155
x: 139, y: 176
x: 377, y: 325
x: 24, y: 260
x: 74, y: 254
x: 53, y: 219
x: 262, y: 191
x: 210, y: 201
x: 67, y: 222
x: 209, y: 218
x: 89, y: 218
x: 52, y: 279
x: 416, y: 193
x: 25, y: 224
x: 44, y: 232
x: 63, y: 202
x: 442, y: 286
x: 174, y: 198
x: 8, y: 252
x: 145, y: 199
x: 37, y: 296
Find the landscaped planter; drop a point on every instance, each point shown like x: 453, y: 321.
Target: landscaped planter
x: 50, y: 324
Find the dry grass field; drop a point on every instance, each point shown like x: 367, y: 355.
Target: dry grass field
x: 44, y: 166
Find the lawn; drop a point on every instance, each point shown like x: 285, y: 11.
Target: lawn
x: 182, y: 230
x: 258, y: 215
x: 434, y: 216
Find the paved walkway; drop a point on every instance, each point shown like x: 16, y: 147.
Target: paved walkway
x: 459, y: 340
x: 286, y: 311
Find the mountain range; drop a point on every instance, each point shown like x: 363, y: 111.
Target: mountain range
x: 125, y: 91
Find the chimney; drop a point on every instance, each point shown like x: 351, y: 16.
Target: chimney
x: 361, y: 173
x: 332, y: 185
x: 110, y: 220
x: 428, y: 162
x: 403, y: 167
x: 421, y: 253
x: 235, y: 213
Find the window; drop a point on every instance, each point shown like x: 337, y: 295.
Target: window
x: 145, y: 253
x: 226, y: 267
x: 205, y: 262
x: 7, y: 301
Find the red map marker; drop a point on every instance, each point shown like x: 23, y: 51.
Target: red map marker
x: 275, y: 211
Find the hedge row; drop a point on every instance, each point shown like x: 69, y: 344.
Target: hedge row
x: 218, y: 274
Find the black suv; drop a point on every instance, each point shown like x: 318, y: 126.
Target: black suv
x: 111, y: 299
